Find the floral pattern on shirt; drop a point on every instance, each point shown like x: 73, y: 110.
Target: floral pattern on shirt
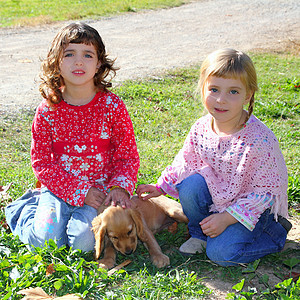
x: 77, y: 147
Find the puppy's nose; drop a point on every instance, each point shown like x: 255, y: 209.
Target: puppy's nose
x: 128, y: 251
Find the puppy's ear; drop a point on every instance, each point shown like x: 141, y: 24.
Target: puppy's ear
x: 139, y: 223
x: 99, y: 229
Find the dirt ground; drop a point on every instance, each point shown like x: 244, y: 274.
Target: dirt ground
x: 149, y: 43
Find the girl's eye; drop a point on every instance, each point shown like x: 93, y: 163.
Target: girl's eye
x: 68, y: 54
x: 214, y: 90
x: 234, y: 92
x: 88, y: 56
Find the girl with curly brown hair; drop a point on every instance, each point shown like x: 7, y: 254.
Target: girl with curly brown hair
x: 83, y: 146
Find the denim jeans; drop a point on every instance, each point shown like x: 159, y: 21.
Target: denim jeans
x: 236, y: 244
x: 39, y: 216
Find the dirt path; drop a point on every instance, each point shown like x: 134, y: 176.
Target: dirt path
x: 151, y: 42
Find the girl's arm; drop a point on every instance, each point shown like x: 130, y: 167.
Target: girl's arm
x: 125, y: 158
x: 151, y: 190
x: 248, y: 210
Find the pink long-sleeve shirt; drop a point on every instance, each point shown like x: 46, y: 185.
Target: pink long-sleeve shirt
x: 245, y: 172
x: 75, y: 148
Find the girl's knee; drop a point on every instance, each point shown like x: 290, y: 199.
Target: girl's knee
x: 83, y: 240
x: 189, y: 187
x: 38, y: 235
x: 80, y: 235
x: 194, y: 193
x: 223, y: 256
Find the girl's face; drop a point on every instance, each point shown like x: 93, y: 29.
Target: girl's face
x: 224, y: 99
x: 78, y: 65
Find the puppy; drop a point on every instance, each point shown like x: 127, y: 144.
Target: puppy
x: 118, y: 229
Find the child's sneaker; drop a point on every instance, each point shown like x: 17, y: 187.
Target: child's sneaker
x: 192, y: 245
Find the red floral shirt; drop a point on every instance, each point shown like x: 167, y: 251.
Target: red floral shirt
x: 75, y: 148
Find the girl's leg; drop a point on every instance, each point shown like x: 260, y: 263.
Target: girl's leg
x: 21, y: 212
x: 49, y: 222
x: 237, y: 244
x: 80, y: 235
x: 195, y: 200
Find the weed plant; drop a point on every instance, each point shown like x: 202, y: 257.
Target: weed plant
x: 162, y: 110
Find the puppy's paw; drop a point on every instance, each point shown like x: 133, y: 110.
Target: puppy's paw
x: 160, y: 260
x: 106, y: 263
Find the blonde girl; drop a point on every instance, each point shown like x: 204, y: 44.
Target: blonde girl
x: 230, y: 175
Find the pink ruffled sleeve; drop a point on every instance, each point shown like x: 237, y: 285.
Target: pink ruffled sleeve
x: 249, y: 212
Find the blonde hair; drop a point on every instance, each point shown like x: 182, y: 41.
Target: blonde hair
x: 228, y: 63
x: 75, y: 33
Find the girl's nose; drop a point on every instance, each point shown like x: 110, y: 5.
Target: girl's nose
x: 221, y: 98
x: 78, y: 61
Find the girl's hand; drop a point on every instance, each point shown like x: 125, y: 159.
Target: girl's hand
x: 148, y: 188
x: 118, y: 196
x: 215, y: 224
x: 94, y: 198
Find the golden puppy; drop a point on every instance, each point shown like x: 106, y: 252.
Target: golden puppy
x: 119, y: 229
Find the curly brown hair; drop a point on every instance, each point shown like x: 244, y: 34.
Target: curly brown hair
x: 75, y: 33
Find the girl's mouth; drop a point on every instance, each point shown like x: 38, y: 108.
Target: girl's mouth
x: 220, y: 110
x: 78, y: 72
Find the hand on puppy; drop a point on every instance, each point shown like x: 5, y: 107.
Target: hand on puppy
x: 118, y: 195
x: 94, y: 198
x: 150, y: 189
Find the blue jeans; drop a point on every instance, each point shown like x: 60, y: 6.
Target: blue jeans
x: 38, y: 216
x: 236, y: 244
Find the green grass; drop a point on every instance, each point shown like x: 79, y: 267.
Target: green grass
x: 34, y: 12
x: 162, y: 110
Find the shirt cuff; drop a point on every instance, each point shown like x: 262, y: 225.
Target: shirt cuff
x: 167, y: 188
x: 243, y: 216
x: 123, y: 183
